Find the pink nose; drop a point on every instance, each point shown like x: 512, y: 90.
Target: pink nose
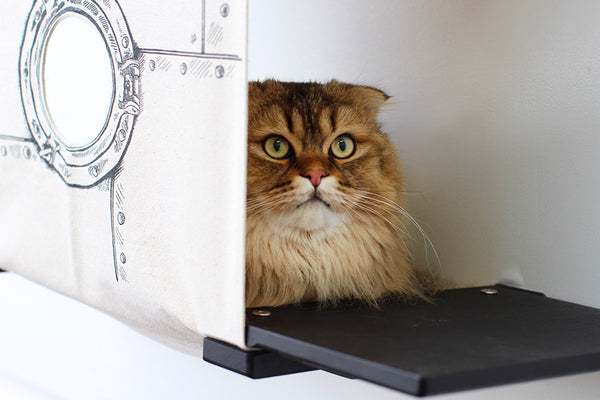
x: 315, y: 176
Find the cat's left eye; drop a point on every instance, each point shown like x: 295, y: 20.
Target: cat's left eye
x: 277, y: 147
x: 342, y: 147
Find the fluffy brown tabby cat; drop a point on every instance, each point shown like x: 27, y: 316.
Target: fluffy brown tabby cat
x: 324, y: 209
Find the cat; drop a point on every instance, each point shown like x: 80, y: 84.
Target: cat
x: 325, y: 217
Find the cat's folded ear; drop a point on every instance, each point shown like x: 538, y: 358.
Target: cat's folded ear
x: 367, y: 96
x: 269, y: 88
x: 255, y: 88
x: 372, y: 98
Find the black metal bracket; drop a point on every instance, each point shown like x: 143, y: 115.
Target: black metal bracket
x: 254, y: 364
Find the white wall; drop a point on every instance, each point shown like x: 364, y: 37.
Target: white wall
x: 495, y: 114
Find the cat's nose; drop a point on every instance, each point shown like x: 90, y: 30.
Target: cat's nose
x: 315, y: 176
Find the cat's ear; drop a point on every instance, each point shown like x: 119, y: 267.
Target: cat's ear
x: 372, y: 98
x: 366, y: 96
x: 258, y: 90
x: 255, y: 88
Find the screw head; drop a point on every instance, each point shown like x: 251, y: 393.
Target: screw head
x: 224, y: 10
x: 261, y: 313
x: 152, y: 65
x: 219, y: 71
x: 489, y: 291
x: 183, y: 68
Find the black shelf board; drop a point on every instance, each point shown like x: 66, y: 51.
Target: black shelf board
x: 464, y: 340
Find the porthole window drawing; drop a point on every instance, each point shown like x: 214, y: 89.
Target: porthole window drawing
x: 79, y: 163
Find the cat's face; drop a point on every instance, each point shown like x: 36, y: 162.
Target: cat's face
x: 316, y: 157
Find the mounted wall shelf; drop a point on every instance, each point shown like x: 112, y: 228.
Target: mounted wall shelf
x: 468, y: 338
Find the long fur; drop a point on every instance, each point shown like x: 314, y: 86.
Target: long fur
x: 348, y: 242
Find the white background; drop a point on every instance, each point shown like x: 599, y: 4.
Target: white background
x: 496, y: 114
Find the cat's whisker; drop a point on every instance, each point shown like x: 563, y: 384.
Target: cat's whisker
x: 377, y: 210
x: 260, y: 207
x: 254, y: 203
x: 411, y: 193
x: 254, y: 207
x: 365, y: 206
x: 251, y: 202
x: 385, y: 199
x: 428, y: 242
x: 395, y: 227
x: 400, y: 223
x: 368, y: 198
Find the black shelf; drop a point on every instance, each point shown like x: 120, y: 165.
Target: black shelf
x: 468, y: 338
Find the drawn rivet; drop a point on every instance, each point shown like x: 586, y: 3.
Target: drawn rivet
x: 120, y: 218
x: 27, y: 152
x: 122, y: 258
x: 3, y: 151
x: 261, y: 313
x: 219, y: 71
x: 489, y: 291
x: 125, y: 42
x: 122, y: 135
x: 224, y: 10
x: 183, y: 68
x: 152, y: 65
x: 25, y: 72
x: 94, y: 171
x: 36, y: 127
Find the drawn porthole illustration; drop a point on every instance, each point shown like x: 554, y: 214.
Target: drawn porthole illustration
x: 82, y: 153
x: 80, y: 75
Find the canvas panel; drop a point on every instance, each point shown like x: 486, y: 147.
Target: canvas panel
x: 146, y: 220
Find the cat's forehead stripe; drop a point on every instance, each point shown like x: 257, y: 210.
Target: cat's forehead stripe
x: 310, y: 104
x: 310, y: 114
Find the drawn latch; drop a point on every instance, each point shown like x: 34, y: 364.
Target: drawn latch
x: 49, y: 149
x: 130, y: 100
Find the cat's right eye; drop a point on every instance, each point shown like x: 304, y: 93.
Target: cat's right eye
x: 342, y: 147
x: 277, y: 147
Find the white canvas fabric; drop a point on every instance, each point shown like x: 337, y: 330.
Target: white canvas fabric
x: 145, y: 219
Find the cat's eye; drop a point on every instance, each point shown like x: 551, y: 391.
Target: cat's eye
x: 277, y: 147
x: 342, y: 147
